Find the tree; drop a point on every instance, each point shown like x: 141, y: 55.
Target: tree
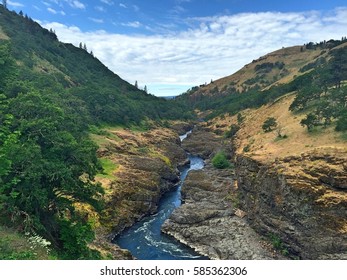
x: 234, y: 128
x: 341, y: 124
x: 145, y: 89
x: 4, y: 3
x: 310, y: 121
x: 269, y: 125
x: 52, y: 166
x: 240, y: 118
x: 136, y: 84
x: 338, y: 66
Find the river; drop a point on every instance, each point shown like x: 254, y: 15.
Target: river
x: 144, y: 239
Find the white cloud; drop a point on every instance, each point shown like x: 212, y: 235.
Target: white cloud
x: 76, y: 4
x: 52, y: 11
x: 123, y: 5
x: 100, y: 8
x: 108, y: 2
x: 134, y: 24
x: 15, y: 4
x: 212, y: 48
x: 96, y: 20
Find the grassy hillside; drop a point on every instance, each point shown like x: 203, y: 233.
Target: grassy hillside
x: 272, y: 76
x: 45, y: 63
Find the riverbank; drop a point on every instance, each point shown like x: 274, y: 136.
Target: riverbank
x: 139, y: 168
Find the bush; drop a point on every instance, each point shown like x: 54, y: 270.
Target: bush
x: 269, y: 125
x: 232, y: 131
x: 220, y: 161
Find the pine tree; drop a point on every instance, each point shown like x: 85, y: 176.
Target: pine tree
x: 145, y: 89
x: 4, y: 3
x: 136, y: 84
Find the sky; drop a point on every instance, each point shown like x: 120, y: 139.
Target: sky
x: 173, y: 45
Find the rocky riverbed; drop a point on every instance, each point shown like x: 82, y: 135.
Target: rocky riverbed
x: 209, y: 220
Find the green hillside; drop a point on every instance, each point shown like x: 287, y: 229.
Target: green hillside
x: 47, y: 64
x: 51, y: 95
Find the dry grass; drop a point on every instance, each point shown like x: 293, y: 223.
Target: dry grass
x: 266, y: 146
x: 292, y: 57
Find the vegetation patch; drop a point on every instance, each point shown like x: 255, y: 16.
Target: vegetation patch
x: 109, y: 167
x: 15, y: 246
x: 277, y: 243
x: 220, y: 161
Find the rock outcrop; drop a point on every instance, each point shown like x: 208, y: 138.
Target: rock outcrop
x: 207, y: 221
x: 299, y: 200
x: 145, y: 166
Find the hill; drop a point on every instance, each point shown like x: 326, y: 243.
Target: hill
x: 282, y: 120
x: 44, y: 63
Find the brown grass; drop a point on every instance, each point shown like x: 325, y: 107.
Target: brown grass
x: 266, y: 146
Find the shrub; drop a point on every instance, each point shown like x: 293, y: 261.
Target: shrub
x: 220, y: 161
x: 232, y: 131
x: 269, y: 125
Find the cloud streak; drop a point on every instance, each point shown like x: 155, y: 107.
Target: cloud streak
x: 209, y: 48
x: 15, y: 4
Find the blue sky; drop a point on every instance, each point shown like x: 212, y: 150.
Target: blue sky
x: 172, y: 45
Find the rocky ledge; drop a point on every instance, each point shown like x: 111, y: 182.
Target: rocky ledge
x: 299, y: 200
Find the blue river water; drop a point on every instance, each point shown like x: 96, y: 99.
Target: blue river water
x: 144, y: 239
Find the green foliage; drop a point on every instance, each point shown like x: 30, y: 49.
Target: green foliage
x: 240, y: 118
x: 64, y: 68
x: 51, y: 96
x: 324, y: 102
x: 108, y: 166
x: 341, y: 124
x: 247, y: 148
x: 269, y: 125
x: 277, y: 243
x: 268, y: 66
x: 75, y: 237
x: 309, y: 121
x: 232, y: 131
x: 220, y: 161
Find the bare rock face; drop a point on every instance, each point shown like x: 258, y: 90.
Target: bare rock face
x: 207, y: 220
x: 301, y: 200
x: 202, y: 142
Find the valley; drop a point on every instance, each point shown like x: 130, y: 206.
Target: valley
x: 85, y: 156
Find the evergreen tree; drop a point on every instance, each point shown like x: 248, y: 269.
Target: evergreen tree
x: 4, y: 3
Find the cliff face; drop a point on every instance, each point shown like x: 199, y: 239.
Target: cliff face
x: 299, y: 200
